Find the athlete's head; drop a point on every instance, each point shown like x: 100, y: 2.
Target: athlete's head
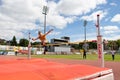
x: 39, y: 32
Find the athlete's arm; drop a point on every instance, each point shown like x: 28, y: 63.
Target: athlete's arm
x: 48, y: 32
x: 35, y: 38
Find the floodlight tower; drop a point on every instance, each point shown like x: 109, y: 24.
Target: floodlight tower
x: 45, y: 11
x: 85, y: 45
x: 85, y: 23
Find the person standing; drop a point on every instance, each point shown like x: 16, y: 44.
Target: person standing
x: 16, y: 50
x: 85, y: 49
x: 113, y: 54
x: 84, y: 54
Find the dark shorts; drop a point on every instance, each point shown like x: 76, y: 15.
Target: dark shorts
x: 41, y: 43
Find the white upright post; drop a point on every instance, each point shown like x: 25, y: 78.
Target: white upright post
x: 100, y: 44
x: 29, y: 48
x: 103, y: 63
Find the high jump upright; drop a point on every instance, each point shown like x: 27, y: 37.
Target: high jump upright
x: 99, y: 43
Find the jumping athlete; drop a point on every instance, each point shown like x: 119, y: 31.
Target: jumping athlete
x: 42, y: 37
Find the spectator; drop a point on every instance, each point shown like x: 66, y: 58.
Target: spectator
x: 113, y: 54
x: 16, y: 53
x: 84, y: 54
x: 85, y: 49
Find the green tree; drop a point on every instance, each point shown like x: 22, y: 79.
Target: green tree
x: 36, y: 43
x: 13, y: 41
x: 23, y: 42
x: 75, y: 46
x: 80, y: 45
x: 2, y: 42
x: 118, y: 43
x: 113, y: 44
x: 92, y: 45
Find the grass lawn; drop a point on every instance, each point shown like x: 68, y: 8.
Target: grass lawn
x: 107, y: 57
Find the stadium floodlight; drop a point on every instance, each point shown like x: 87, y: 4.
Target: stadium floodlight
x: 85, y: 23
x: 45, y: 11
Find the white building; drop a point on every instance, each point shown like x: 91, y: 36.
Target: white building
x: 60, y: 46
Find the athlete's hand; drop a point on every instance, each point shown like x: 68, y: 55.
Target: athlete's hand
x: 33, y: 39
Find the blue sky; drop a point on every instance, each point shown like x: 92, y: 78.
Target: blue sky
x: 66, y: 17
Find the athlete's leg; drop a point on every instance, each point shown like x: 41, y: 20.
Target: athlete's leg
x: 43, y: 43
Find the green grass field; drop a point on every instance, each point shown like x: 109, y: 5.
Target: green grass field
x: 107, y: 57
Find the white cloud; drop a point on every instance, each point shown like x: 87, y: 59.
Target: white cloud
x: 20, y: 15
x: 17, y: 16
x: 54, y: 33
x: 8, y: 34
x: 77, y: 7
x: 112, y: 37
x: 116, y: 18
x: 115, y: 37
x: 57, y: 20
x: 60, y: 22
x: 67, y: 8
x: 110, y: 29
x: 113, y: 4
x: 93, y: 16
x: 80, y: 37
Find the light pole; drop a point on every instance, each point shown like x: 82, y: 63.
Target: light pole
x: 85, y: 45
x: 85, y: 23
x: 45, y: 11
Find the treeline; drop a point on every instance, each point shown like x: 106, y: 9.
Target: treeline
x: 22, y: 42
x: 112, y: 44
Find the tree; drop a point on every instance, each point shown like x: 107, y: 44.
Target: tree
x: 13, y: 41
x: 92, y: 45
x: 75, y: 46
x: 23, y: 42
x: 118, y: 43
x: 2, y: 41
x: 36, y: 43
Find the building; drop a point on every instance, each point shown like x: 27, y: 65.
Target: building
x: 58, y: 41
x: 60, y: 46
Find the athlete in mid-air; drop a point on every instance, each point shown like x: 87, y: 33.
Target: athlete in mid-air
x: 42, y: 37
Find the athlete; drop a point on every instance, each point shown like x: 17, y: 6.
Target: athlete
x: 42, y: 37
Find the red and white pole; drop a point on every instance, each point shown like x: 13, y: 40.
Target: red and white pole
x: 99, y: 43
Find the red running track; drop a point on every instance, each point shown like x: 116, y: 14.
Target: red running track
x: 41, y: 69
